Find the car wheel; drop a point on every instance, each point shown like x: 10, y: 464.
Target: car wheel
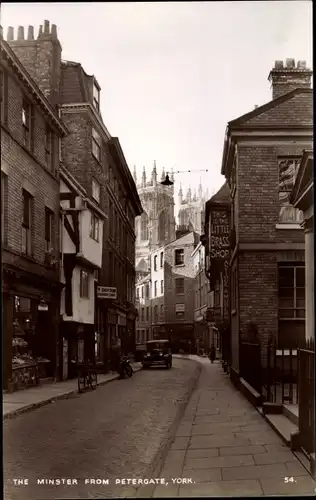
x: 168, y: 365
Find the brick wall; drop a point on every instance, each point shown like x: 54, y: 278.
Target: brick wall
x: 27, y: 169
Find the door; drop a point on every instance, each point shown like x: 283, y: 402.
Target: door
x: 65, y: 359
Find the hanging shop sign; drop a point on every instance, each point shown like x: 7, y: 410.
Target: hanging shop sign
x: 42, y: 306
x: 220, y: 250
x: 106, y: 292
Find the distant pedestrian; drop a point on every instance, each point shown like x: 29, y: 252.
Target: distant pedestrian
x: 212, y: 354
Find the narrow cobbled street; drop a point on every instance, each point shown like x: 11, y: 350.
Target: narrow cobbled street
x: 114, y: 432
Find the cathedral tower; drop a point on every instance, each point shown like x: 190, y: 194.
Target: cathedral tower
x: 156, y: 226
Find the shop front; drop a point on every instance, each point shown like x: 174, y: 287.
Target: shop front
x: 78, y: 346
x: 181, y: 337
x: 30, y: 326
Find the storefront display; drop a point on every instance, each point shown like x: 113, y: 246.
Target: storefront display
x: 28, y: 366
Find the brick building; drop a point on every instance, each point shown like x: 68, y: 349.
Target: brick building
x: 143, y: 304
x: 202, y: 299
x: 261, y: 154
x: 96, y: 161
x: 30, y: 138
x: 172, y: 303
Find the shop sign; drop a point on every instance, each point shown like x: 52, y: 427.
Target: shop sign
x: 219, y: 234
x: 106, y: 292
x: 179, y: 308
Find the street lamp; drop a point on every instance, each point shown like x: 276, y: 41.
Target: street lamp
x: 168, y: 182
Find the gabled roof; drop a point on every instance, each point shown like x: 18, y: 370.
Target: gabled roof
x: 304, y: 179
x: 222, y: 195
x: 242, y: 120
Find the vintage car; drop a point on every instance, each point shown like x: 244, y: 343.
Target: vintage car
x: 158, y: 352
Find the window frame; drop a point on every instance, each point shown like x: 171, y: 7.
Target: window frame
x: 27, y: 225
x: 162, y: 286
x: 179, y: 252
x: 161, y: 259
x: 176, y: 282
x: 155, y: 262
x: 96, y: 100
x: 84, y: 284
x: 295, y: 316
x: 96, y: 143
x: 49, y: 217
x: 285, y: 187
x: 156, y: 288
x: 95, y: 190
x: 48, y: 146
x: 94, y: 227
x: 26, y: 120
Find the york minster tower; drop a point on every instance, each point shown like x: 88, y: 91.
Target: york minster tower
x: 156, y: 226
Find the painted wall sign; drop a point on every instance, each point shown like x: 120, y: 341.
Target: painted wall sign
x: 219, y: 233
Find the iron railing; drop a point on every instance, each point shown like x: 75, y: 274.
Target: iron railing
x: 307, y: 397
x: 250, y: 364
x: 280, y: 375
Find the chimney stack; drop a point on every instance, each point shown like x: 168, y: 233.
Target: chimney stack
x: 30, y: 33
x: 46, y: 28
x: 10, y: 36
x: 20, y: 33
x: 286, y: 77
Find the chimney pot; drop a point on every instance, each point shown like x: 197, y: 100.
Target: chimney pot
x: 20, y: 33
x: 290, y: 63
x: 54, y: 31
x: 30, y: 33
x: 256, y: 105
x: 46, y: 27
x: 40, y: 31
x: 301, y: 65
x: 278, y: 65
x: 10, y: 36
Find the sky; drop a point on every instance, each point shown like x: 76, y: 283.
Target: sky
x: 173, y: 74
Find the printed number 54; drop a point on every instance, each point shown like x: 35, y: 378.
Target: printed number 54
x: 289, y: 480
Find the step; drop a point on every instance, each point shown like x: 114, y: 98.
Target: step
x: 291, y: 412
x: 283, y: 426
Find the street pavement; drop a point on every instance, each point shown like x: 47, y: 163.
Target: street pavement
x: 19, y: 402
x: 224, y: 447
x: 119, y: 431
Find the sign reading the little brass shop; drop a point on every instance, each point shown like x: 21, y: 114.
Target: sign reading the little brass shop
x: 220, y: 250
x: 106, y: 292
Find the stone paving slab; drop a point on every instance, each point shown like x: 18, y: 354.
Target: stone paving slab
x: 222, y: 488
x: 303, y: 485
x: 215, y: 462
x: 228, y: 448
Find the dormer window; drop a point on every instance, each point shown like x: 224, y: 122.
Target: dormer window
x: 96, y: 96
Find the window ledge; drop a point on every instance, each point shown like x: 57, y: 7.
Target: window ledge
x: 179, y: 265
x: 288, y: 225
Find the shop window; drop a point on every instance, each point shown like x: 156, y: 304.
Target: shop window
x: 291, y: 292
x: 95, y: 190
x: 96, y: 96
x: 48, y: 230
x: 27, y: 201
x: 179, y: 257
x: 96, y: 144
x: 26, y: 123
x: 94, y: 227
x: 84, y: 284
x: 179, y: 286
x: 288, y: 168
x: 49, y: 148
